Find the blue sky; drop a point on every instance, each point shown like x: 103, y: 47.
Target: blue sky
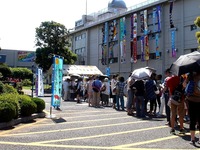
x: 19, y: 18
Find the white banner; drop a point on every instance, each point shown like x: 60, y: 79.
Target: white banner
x: 39, y: 82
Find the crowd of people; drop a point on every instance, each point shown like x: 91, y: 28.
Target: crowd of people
x: 145, y: 98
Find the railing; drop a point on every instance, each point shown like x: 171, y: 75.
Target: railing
x: 97, y: 17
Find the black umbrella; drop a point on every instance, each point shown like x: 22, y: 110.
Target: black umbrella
x: 186, y: 63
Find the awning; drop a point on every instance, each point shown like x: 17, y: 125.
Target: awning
x: 81, y: 70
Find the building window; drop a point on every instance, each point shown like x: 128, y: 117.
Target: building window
x: 194, y: 49
x: 193, y: 27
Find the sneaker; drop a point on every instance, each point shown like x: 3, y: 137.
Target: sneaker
x: 182, y: 131
x: 167, y: 123
x: 172, y: 131
x: 192, y: 142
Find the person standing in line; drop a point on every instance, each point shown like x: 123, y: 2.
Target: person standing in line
x: 166, y: 96
x: 172, y: 83
x: 113, y: 82
x: 150, y: 94
x: 90, y: 91
x: 130, y: 97
x: 105, y: 90
x: 140, y: 102
x: 66, y: 89
x: 194, y: 106
x: 120, y: 94
x: 159, y: 87
x: 72, y: 86
x: 79, y: 90
x: 96, y: 86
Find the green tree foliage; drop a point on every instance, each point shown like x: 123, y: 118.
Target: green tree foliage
x: 52, y: 38
x: 21, y: 73
x: 5, y: 71
x: 197, y: 23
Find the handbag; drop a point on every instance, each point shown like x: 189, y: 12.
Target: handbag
x: 156, y: 90
x: 176, y: 98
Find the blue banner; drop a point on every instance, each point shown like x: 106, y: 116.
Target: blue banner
x: 57, y: 75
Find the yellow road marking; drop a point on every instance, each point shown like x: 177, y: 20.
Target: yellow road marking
x: 148, y: 142
x: 100, y: 135
x: 77, y: 112
x: 20, y: 127
x: 81, y: 121
x: 82, y: 116
x: 77, y: 146
x: 124, y: 147
x: 71, y: 129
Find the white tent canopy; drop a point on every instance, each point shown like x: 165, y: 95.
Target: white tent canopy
x: 81, y: 70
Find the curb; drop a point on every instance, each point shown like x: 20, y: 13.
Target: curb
x: 21, y: 120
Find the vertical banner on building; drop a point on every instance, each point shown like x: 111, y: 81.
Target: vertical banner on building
x: 142, y: 47
x: 57, y: 81
x: 146, y: 39
x: 104, y: 43
x: 158, y: 14
x: 112, y: 41
x: 123, y: 39
x: 157, y: 28
x: 134, y: 38
x: 39, y: 87
x: 142, y: 36
x: 172, y: 29
x: 173, y: 35
x: 131, y: 43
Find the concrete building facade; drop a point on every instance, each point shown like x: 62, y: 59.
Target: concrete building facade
x: 18, y: 58
x: 154, y: 48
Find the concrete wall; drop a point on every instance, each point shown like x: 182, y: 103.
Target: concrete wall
x: 183, y: 16
x: 12, y: 58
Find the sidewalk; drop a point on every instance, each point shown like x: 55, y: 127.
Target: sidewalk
x: 29, y: 92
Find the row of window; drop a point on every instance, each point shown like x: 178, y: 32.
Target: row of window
x: 80, y: 51
x: 81, y: 36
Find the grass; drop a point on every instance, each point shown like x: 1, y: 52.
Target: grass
x: 46, y: 86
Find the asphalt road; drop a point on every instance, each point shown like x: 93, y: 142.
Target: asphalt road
x: 77, y: 126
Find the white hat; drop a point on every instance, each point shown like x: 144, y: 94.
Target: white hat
x: 106, y: 79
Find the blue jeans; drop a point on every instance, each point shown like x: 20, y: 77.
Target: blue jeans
x: 121, y: 101
x: 140, y: 106
x: 167, y: 108
x: 130, y: 100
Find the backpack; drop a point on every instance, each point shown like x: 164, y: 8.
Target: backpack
x: 189, y: 90
x: 177, y: 94
x: 95, y: 89
x: 103, y: 88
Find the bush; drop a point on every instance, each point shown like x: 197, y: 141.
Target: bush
x: 28, y: 107
x: 2, y: 89
x: 40, y: 104
x: 7, y: 111
x: 26, y: 82
x: 12, y: 99
x: 10, y: 89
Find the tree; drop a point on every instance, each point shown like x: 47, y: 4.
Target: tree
x: 197, y: 23
x: 52, y: 38
x: 5, y: 71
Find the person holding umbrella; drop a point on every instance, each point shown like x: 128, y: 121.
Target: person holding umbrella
x: 193, y: 100
x: 172, y: 83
